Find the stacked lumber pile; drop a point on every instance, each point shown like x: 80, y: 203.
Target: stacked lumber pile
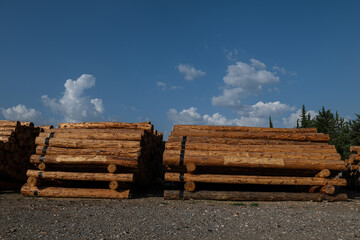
x: 95, y: 159
x: 17, y: 143
x: 352, y: 173
x: 259, y: 163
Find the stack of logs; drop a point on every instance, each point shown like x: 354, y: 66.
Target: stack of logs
x: 353, y: 164
x: 17, y: 143
x: 95, y: 159
x: 255, y: 164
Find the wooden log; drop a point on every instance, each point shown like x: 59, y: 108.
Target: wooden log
x: 236, y: 141
x: 253, y: 148
x: 32, y: 181
x: 259, y: 154
x: 93, y: 130
x: 242, y: 129
x: 189, y: 186
x: 95, y: 135
x: 355, y: 149
x: 315, y: 137
x: 328, y: 189
x: 4, y: 123
x: 6, y: 133
x: 84, y: 143
x: 313, y: 189
x: 113, y: 185
x: 73, y: 192
x: 80, y: 176
x: 240, y: 179
x: 91, y: 125
x: 191, y: 167
x: 27, y: 124
x: 323, y: 173
x: 12, y: 129
x: 126, y: 153
x: 111, y: 168
x: 254, y: 162
x: 85, y: 159
x: 251, y: 196
x: 4, y: 138
x: 46, y: 127
x: 41, y: 166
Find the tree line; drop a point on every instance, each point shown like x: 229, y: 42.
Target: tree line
x: 343, y: 134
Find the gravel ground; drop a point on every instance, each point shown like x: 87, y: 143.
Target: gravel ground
x: 155, y: 218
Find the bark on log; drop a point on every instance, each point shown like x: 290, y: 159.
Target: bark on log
x: 4, y: 123
x: 83, y: 143
x: 259, y: 154
x: 240, y: 179
x: 251, y: 196
x: 126, y: 153
x: 253, y: 162
x: 73, y: 192
x: 6, y: 133
x: 79, y: 176
x: 96, y: 135
x: 315, y: 137
x: 355, y: 149
x: 242, y: 129
x: 252, y: 148
x: 91, y: 125
x: 85, y: 159
x: 236, y: 141
x: 328, y: 189
x: 323, y: 173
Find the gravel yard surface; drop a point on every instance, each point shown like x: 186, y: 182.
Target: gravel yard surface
x: 156, y: 218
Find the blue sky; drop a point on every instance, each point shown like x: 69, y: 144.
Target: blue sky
x: 192, y: 62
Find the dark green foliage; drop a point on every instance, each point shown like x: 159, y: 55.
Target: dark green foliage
x: 270, y: 123
x: 355, y: 131
x: 305, y: 119
x: 342, y: 134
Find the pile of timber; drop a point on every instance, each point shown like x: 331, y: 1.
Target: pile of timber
x: 17, y: 144
x: 251, y: 164
x: 95, y: 159
x: 352, y: 173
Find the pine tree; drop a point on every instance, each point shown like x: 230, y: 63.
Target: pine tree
x: 303, y: 118
x: 355, y: 131
x: 270, y: 123
x: 325, y: 121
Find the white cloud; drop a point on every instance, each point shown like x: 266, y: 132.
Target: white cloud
x: 232, y: 55
x: 248, y: 78
x: 231, y: 97
x: 190, y: 72
x: 261, y: 109
x: 242, y: 80
x: 283, y: 71
x: 73, y: 105
x: 186, y: 116
x: 290, y: 121
x: 21, y: 113
x: 161, y: 86
x: 191, y: 116
x: 257, y: 64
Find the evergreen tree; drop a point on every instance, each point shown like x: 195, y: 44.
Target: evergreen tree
x: 325, y: 121
x: 270, y: 123
x: 303, y: 118
x: 355, y: 131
